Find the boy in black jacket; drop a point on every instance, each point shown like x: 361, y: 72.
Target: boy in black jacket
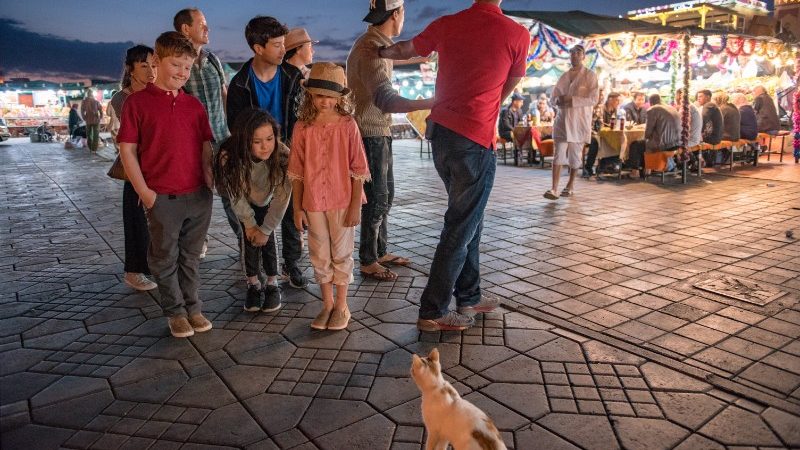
x: 267, y: 83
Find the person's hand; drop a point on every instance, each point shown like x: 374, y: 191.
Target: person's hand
x: 250, y: 233
x: 208, y: 176
x: 259, y: 239
x: 353, y: 216
x: 300, y: 221
x: 148, y: 198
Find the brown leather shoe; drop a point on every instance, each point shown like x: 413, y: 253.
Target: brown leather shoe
x: 180, y: 327
x: 199, y: 323
x: 339, y: 320
x: 321, y: 321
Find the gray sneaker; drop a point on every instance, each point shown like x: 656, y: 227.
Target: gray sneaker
x: 487, y: 304
x: 451, y: 321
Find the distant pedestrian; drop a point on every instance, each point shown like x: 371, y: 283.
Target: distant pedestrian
x: 482, y: 57
x: 165, y: 146
x: 207, y: 83
x: 250, y: 169
x: 92, y: 112
x: 140, y: 70
x: 575, y: 95
x: 74, y: 118
x: 328, y: 169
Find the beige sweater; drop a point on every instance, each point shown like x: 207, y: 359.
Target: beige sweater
x: 370, y: 78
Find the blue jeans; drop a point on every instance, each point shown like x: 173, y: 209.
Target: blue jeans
x: 467, y: 170
x: 380, y: 194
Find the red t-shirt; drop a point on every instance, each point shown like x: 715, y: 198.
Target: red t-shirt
x: 479, y: 49
x: 170, y: 132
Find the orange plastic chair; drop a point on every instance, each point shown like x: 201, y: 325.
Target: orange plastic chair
x: 657, y: 162
x: 546, y: 148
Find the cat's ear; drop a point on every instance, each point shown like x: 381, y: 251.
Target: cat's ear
x: 416, y: 362
x: 434, y: 355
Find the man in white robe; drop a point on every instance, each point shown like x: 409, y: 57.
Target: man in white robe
x: 575, y: 96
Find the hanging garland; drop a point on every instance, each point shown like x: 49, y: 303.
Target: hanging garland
x: 685, y: 116
x: 706, y: 47
x: 665, y: 51
x: 796, y: 111
x: 675, y: 67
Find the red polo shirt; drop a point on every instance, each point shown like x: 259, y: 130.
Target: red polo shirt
x: 479, y: 49
x: 170, y: 131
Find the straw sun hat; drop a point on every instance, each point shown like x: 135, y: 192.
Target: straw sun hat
x: 327, y: 79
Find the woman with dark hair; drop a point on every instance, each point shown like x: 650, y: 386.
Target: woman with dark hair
x: 138, y: 72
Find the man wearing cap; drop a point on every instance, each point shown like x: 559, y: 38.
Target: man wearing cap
x: 482, y: 57
x: 207, y: 83
x: 510, y: 117
x: 299, y: 50
x: 266, y: 82
x: 370, y: 78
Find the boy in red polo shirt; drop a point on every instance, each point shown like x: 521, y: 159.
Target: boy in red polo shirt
x: 165, y: 146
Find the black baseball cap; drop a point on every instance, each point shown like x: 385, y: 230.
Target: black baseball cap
x: 380, y: 10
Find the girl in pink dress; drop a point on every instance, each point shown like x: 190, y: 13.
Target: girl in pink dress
x: 328, y: 168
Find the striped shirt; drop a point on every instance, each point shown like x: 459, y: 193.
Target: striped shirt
x: 205, y: 82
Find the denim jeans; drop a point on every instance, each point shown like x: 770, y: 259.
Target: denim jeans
x: 467, y: 170
x: 380, y: 194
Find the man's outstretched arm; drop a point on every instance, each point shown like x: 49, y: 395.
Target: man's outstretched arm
x: 399, y: 51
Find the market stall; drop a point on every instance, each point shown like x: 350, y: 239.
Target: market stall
x: 690, y: 58
x: 25, y: 105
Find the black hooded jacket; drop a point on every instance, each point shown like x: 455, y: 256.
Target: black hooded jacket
x: 242, y: 95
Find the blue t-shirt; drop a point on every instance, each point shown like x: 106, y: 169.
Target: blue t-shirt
x: 269, y: 95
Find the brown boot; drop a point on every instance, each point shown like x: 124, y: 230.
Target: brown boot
x: 180, y: 327
x: 199, y: 323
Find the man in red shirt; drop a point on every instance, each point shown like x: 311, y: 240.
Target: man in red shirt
x: 482, y: 57
x: 165, y: 145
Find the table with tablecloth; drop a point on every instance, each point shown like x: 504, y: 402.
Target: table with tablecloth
x: 617, y: 142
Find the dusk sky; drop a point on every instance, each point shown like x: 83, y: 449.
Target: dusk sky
x: 89, y: 37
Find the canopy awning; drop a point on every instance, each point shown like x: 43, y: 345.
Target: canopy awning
x: 584, y: 25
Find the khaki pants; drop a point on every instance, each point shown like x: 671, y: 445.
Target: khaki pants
x: 330, y: 247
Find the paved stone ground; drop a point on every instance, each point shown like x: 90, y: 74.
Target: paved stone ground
x: 602, y: 341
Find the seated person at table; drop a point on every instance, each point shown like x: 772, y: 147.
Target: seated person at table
x: 45, y: 133
x: 608, y: 111
x: 695, y: 124
x: 544, y: 111
x: 748, y: 123
x: 766, y: 114
x: 730, y: 121
x: 635, y: 111
x: 712, y: 123
x: 510, y: 117
x: 662, y: 133
x: 731, y: 118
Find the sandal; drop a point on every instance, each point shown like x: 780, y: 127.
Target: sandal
x: 566, y: 193
x: 382, y: 275
x: 395, y: 261
x: 550, y: 195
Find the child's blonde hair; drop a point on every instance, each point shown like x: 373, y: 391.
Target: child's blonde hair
x: 306, y: 112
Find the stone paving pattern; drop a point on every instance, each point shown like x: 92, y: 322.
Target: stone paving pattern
x: 602, y: 342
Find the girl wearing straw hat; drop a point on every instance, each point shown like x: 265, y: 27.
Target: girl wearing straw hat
x: 328, y: 168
